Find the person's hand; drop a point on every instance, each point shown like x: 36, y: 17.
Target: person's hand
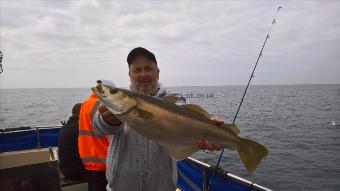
x: 108, y: 117
x: 205, y: 144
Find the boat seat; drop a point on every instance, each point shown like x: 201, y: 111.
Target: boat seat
x: 28, y: 170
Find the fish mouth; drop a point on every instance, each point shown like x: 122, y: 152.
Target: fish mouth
x: 98, y: 90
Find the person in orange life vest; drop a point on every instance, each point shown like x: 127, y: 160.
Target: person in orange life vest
x: 92, y: 148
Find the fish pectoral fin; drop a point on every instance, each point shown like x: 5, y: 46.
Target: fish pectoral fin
x: 197, y: 109
x: 180, y: 153
x: 145, y: 114
x: 231, y: 127
x: 122, y: 112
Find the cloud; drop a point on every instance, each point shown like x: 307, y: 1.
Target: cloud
x: 219, y: 40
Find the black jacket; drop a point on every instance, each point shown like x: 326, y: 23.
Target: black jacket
x: 69, y: 159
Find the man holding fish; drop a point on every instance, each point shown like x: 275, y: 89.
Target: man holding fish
x: 150, y: 130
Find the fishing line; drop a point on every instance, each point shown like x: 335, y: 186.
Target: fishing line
x: 215, y: 154
x: 245, y: 91
x: 1, y: 70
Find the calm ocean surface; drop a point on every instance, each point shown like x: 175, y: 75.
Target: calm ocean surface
x: 293, y: 122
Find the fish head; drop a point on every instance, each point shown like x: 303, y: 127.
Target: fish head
x: 114, y: 98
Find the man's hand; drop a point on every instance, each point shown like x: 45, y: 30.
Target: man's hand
x: 108, y: 117
x: 205, y: 144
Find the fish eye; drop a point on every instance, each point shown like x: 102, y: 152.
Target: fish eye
x: 113, y: 90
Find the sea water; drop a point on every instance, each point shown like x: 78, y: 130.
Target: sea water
x: 295, y: 122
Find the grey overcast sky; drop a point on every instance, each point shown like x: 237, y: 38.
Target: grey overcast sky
x: 73, y: 43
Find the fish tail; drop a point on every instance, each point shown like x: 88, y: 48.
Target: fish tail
x: 251, y: 153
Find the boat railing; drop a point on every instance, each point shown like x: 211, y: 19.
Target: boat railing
x: 28, y: 137
x: 27, y: 128
x: 195, y: 175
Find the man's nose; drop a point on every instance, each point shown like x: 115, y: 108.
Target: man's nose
x: 143, y: 73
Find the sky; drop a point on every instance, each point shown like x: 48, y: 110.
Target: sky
x: 69, y: 44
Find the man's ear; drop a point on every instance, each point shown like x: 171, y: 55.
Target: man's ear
x: 129, y: 72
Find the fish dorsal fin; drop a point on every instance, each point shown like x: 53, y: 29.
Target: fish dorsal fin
x: 197, y: 109
x: 231, y: 127
x: 171, y: 99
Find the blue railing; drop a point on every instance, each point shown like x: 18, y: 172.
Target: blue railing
x: 29, y: 138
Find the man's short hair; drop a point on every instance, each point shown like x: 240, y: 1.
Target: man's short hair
x: 76, y: 109
x: 138, y: 52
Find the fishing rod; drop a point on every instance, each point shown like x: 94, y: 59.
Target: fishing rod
x: 245, y: 91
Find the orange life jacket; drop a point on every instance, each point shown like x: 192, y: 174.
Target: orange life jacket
x: 92, y: 148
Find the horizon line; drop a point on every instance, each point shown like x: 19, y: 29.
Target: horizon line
x: 177, y: 86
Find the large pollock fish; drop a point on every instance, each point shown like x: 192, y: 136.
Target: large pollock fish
x: 176, y: 128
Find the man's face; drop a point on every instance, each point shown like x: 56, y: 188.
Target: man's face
x: 144, y: 75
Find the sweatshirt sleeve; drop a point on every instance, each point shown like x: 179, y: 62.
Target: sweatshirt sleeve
x: 101, y: 128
